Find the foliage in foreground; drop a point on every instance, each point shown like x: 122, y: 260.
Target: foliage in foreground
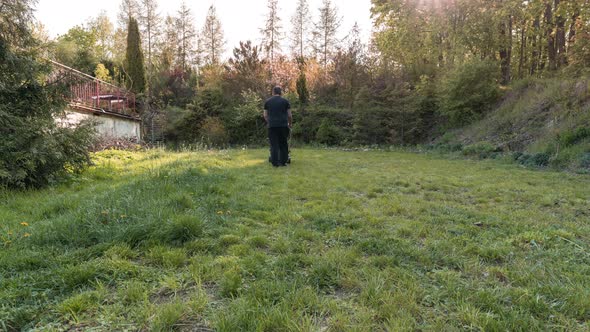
x: 392, y: 241
x: 34, y: 151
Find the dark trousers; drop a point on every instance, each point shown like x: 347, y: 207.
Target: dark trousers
x: 279, y: 145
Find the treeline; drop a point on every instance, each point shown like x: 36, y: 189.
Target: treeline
x: 430, y: 66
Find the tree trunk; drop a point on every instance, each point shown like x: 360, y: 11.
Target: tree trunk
x: 571, y: 38
x: 535, y: 53
x: 523, y: 42
x: 506, y: 50
x: 551, y: 50
x: 560, y: 38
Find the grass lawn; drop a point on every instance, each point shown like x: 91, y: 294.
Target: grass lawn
x: 339, y: 241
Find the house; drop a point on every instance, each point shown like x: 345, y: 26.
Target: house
x: 112, y: 108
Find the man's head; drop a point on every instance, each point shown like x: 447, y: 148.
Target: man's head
x: 277, y: 91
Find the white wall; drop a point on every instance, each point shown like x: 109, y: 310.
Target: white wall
x: 107, y: 125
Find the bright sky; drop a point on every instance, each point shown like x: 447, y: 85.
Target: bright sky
x: 241, y: 19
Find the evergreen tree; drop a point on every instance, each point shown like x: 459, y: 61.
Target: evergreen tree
x: 150, y: 21
x: 169, y: 45
x: 302, y: 90
x: 325, y: 32
x: 134, y: 58
x: 300, y: 31
x: 33, y: 150
x: 271, y: 33
x: 186, y: 36
x: 213, y: 40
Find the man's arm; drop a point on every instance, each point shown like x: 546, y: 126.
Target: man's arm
x: 266, y: 112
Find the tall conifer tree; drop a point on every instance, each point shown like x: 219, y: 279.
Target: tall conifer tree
x: 134, y: 58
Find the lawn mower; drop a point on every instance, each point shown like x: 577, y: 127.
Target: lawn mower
x: 289, y: 157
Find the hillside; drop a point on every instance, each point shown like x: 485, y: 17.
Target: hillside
x: 549, y: 118
x: 201, y: 241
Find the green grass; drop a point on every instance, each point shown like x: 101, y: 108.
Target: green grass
x: 339, y: 241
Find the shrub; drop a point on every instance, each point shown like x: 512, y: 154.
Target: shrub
x: 482, y: 150
x: 328, y: 133
x: 213, y: 132
x: 574, y: 137
x: 469, y: 91
x: 585, y: 161
x: 308, y: 122
x: 245, y: 122
x: 370, y: 126
x: 535, y: 160
x: 34, y: 151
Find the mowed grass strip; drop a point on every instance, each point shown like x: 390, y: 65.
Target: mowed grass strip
x: 338, y: 241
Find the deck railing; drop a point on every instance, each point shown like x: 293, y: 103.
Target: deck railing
x: 93, y: 94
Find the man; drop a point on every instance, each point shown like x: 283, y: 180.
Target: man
x: 277, y: 113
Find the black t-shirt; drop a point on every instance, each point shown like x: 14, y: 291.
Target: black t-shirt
x: 278, y: 111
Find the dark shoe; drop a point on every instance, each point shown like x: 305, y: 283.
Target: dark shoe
x: 283, y: 165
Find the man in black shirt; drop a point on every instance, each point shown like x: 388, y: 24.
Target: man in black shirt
x: 277, y: 113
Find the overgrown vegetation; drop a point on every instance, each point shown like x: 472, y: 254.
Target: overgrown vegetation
x: 392, y: 241
x: 539, y: 122
x: 34, y: 150
x: 432, y: 68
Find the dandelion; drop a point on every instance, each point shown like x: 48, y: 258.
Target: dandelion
x: 219, y: 212
x: 26, y: 235
x: 104, y: 213
x: 25, y: 224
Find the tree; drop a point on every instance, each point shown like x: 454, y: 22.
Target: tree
x: 77, y: 49
x: 301, y: 85
x: 271, y: 33
x: 325, y: 32
x: 169, y: 44
x: 34, y: 151
x: 348, y: 68
x: 102, y: 73
x: 186, y: 36
x: 127, y: 10
x: 150, y: 21
x: 246, y: 70
x: 103, y: 30
x: 212, y: 36
x: 134, y: 58
x: 13, y: 28
x: 301, y: 27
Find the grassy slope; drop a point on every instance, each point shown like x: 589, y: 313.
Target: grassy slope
x: 347, y: 240
x: 532, y: 116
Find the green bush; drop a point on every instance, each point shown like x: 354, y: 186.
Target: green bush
x: 328, y: 133
x: 34, y: 151
x: 244, y: 122
x: 585, y: 161
x: 370, y: 126
x: 535, y: 160
x: 213, y: 132
x: 306, y: 124
x: 574, y: 137
x: 468, y: 92
x: 482, y: 150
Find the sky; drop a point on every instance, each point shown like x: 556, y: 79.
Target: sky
x: 241, y: 19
